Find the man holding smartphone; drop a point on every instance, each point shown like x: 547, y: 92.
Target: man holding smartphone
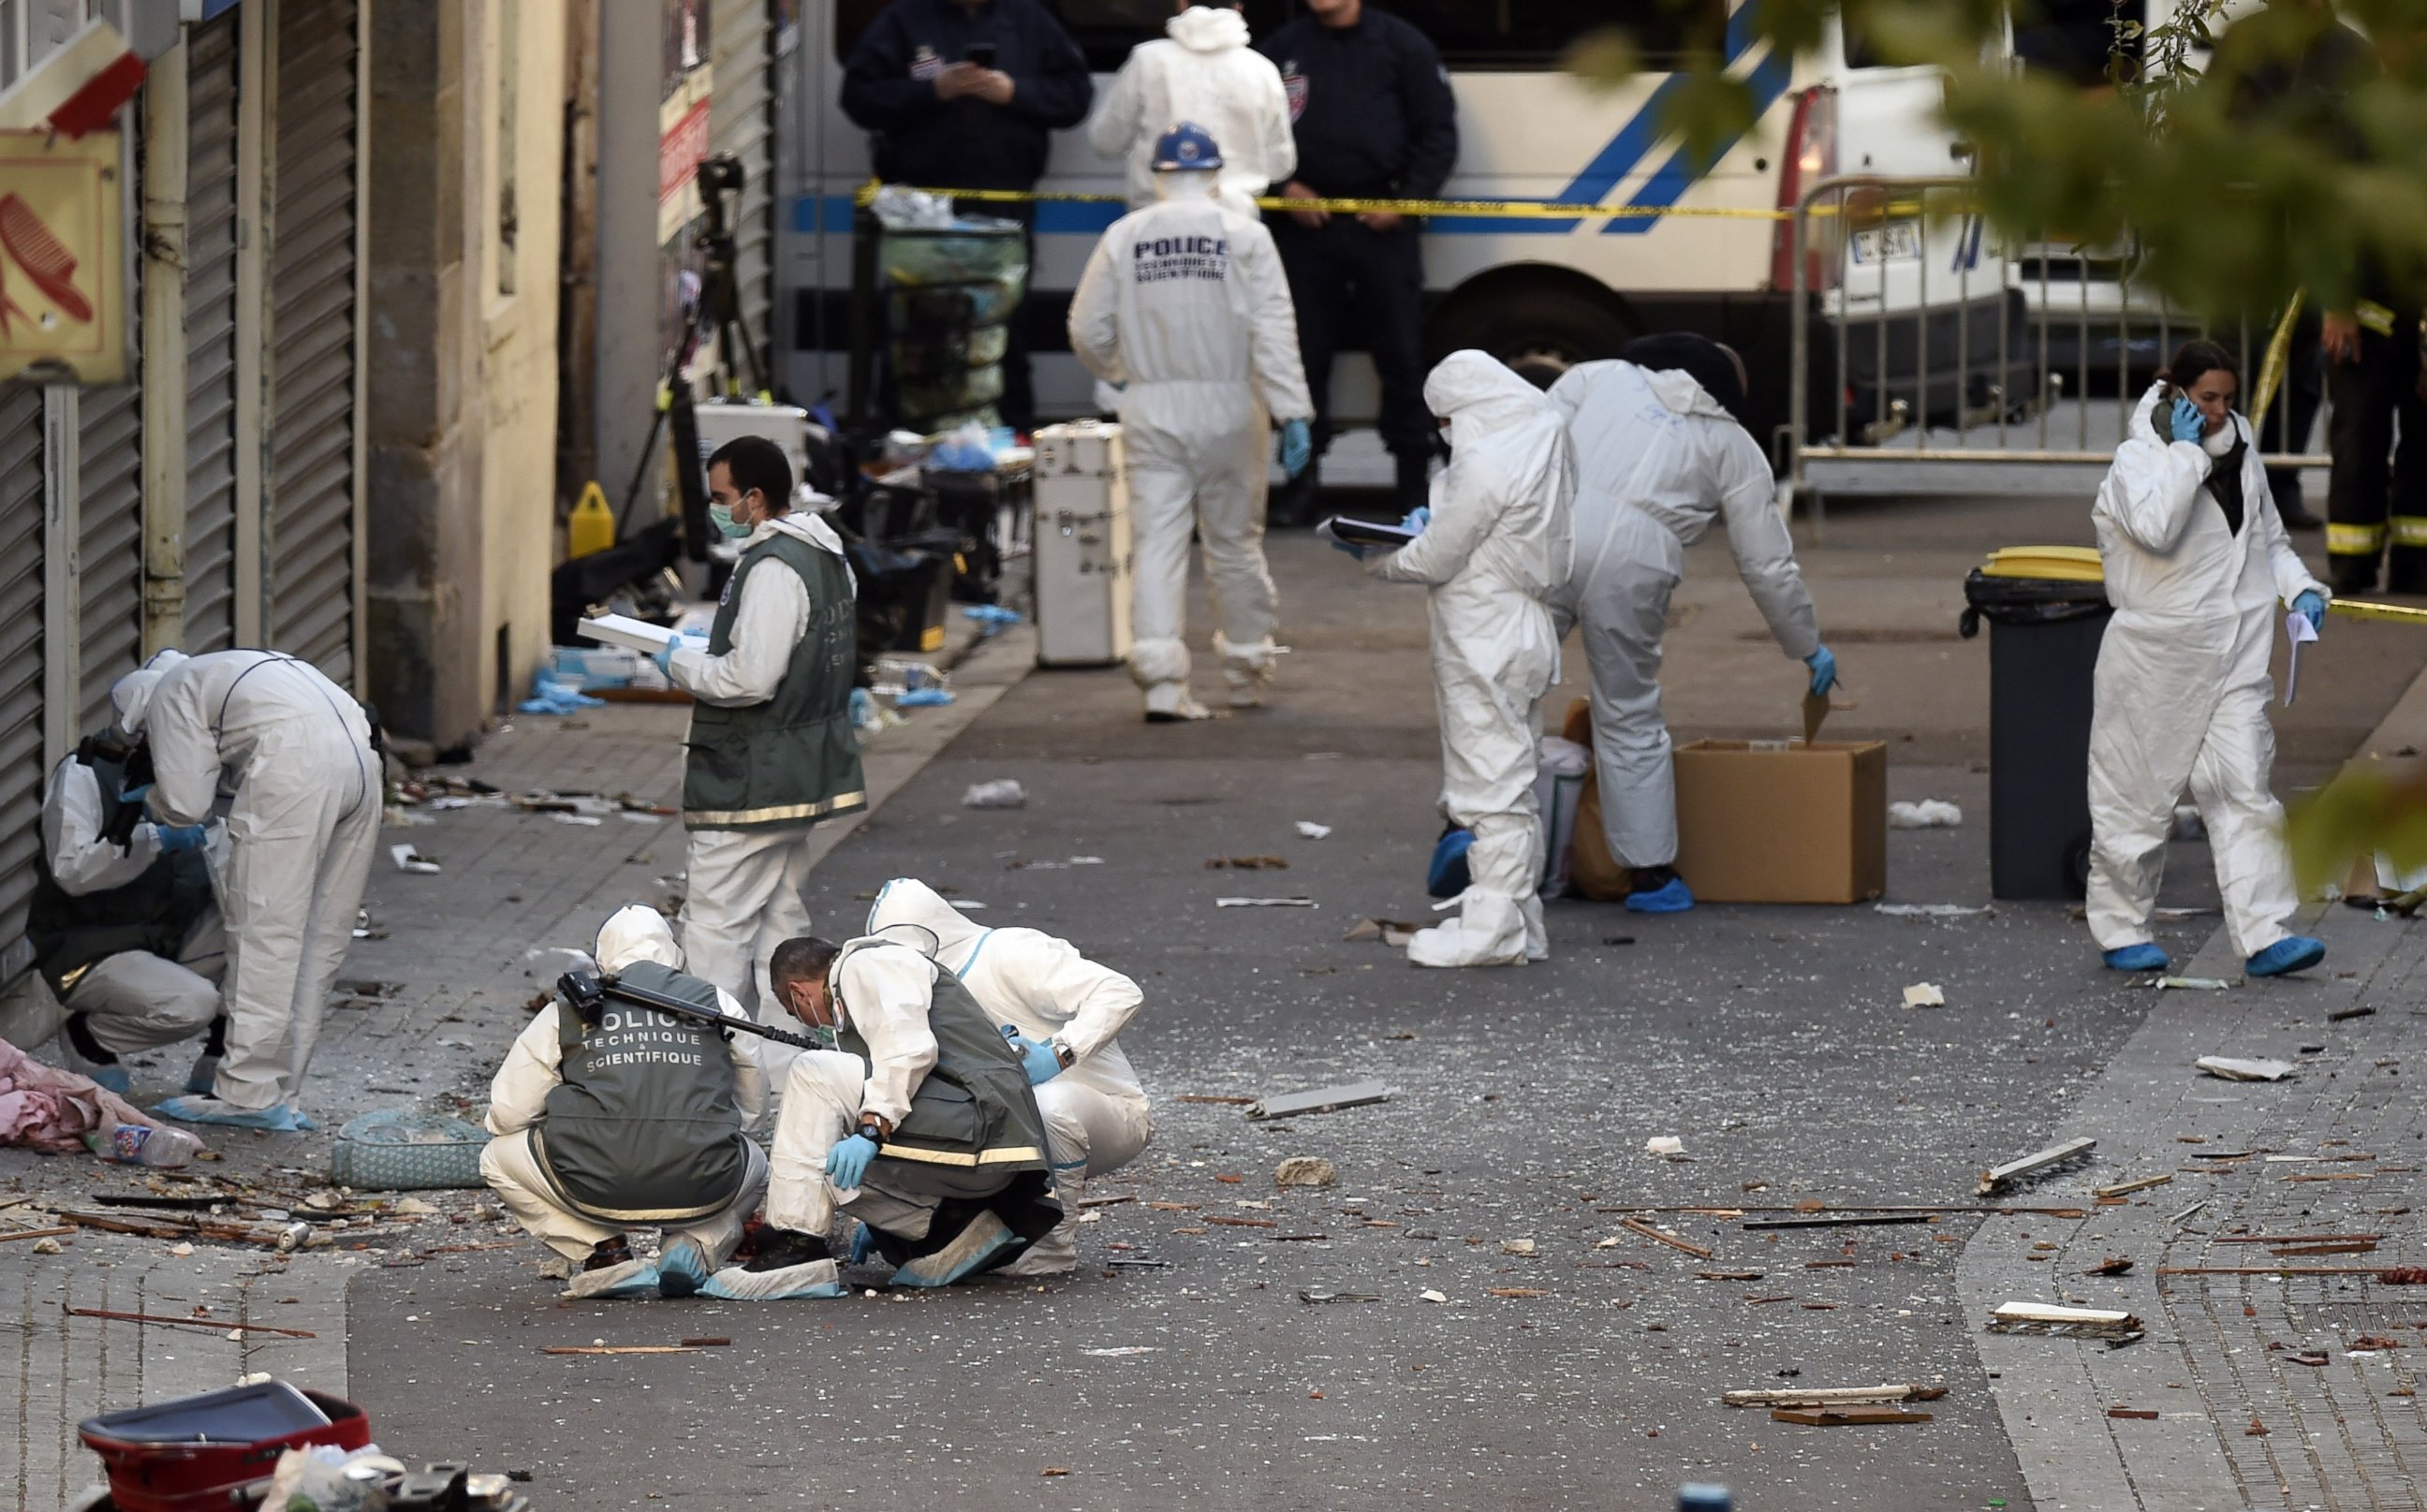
x: 965, y: 94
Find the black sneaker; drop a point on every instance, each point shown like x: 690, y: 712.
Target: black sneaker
x: 780, y: 1250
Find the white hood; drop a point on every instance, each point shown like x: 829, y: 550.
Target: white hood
x: 637, y: 932
x: 804, y: 524
x: 938, y: 928
x: 1679, y: 394
x: 130, y: 697
x: 1207, y: 29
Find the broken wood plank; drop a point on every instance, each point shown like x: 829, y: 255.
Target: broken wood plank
x: 1821, y: 1396
x: 2138, y: 1185
x: 1727, y: 1275
x: 2363, y: 1246
x: 2340, y: 1014
x: 216, y: 1325
x: 1108, y: 1202
x: 1322, y: 1099
x: 620, y: 1349
x: 1998, y: 1178
x: 60, y: 1231
x: 1198, y: 1097
x: 2291, y: 1239
x: 1845, y: 1417
x: 2137, y: 1414
x: 1639, y: 1226
x: 2271, y: 1270
x: 1515, y: 1291
x: 719, y: 1341
x: 1848, y: 1220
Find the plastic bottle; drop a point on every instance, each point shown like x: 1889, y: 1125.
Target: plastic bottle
x: 163, y: 1150
x: 1698, y: 1497
x: 591, y: 527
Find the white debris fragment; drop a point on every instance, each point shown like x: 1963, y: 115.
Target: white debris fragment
x: 407, y: 859
x: 1123, y: 1350
x: 1668, y: 1145
x: 2193, y: 984
x: 1931, y: 910
x: 1432, y: 1296
x: 1517, y: 1246
x: 1004, y: 793
x: 1312, y: 830
x: 1266, y: 902
x: 1929, y: 814
x: 1924, y: 995
x: 2234, y: 1069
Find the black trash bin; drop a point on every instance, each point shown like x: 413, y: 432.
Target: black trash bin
x: 2042, y: 661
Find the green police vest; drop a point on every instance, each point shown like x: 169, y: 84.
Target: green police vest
x: 644, y: 1127
x: 794, y: 760
x: 154, y: 913
x: 973, y: 1122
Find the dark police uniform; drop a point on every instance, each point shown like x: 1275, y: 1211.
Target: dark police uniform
x: 889, y: 88
x: 1373, y: 118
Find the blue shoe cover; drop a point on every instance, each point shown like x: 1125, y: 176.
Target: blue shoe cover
x: 863, y: 1244
x: 279, y: 1118
x: 1670, y: 897
x: 2294, y: 953
x: 616, y: 1283
x: 2141, y: 957
x: 794, y: 1283
x: 116, y: 1078
x: 682, y: 1268
x: 985, y: 1237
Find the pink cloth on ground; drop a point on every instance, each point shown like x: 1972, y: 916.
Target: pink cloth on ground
x: 51, y: 1109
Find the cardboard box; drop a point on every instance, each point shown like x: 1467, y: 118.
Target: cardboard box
x: 1776, y: 821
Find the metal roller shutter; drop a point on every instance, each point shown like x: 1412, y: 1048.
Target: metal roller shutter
x: 741, y: 120
x: 21, y: 676
x: 109, y: 455
x: 210, y: 335
x: 311, y: 503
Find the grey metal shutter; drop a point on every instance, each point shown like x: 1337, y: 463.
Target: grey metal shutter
x: 210, y: 335
x: 21, y: 676
x: 109, y: 455
x: 741, y: 120
x: 310, y: 508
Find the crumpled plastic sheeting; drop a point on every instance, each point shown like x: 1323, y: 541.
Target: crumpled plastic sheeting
x: 46, y: 1108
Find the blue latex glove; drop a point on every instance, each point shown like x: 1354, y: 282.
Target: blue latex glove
x: 847, y: 1162
x: 1039, y: 1061
x: 176, y: 838
x: 1417, y: 518
x: 141, y: 793
x: 684, y: 640
x: 2312, y: 604
x: 1298, y: 446
x: 1351, y: 547
x: 1824, y: 670
x: 2186, y: 421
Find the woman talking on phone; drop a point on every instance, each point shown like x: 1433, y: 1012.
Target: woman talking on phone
x: 2197, y: 562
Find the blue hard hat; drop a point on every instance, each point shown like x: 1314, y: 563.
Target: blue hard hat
x: 1186, y: 146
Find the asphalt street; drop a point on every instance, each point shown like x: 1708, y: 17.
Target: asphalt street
x: 1568, y: 1359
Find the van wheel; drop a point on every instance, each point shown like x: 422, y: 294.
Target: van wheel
x: 1541, y: 332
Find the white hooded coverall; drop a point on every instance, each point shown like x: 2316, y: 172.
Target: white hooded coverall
x: 1657, y: 460
x: 134, y: 1000
x: 742, y: 888
x: 1499, y: 546
x: 2182, y: 685
x: 1185, y: 303
x: 518, y: 1096
x: 883, y: 994
x: 1097, y: 1119
x: 1203, y: 71
x: 294, y: 750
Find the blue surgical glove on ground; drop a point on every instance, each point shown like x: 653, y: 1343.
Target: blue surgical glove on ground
x: 848, y: 1160
x: 2186, y: 422
x: 176, y: 838
x: 1417, y: 518
x: 1824, y: 670
x: 1298, y: 446
x: 2312, y: 604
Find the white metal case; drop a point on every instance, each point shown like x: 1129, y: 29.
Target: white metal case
x: 1084, y: 569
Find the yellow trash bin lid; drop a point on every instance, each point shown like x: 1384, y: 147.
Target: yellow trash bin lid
x: 2064, y: 564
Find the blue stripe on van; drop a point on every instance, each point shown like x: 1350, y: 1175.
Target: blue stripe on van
x: 1664, y: 188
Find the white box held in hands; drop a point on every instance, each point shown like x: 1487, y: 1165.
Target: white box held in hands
x: 627, y: 632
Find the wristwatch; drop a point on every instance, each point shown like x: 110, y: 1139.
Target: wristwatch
x: 1063, y: 1054
x: 872, y: 1131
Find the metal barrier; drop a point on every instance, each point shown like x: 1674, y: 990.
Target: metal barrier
x: 1956, y: 366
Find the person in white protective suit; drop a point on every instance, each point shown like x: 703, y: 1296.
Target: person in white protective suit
x: 1659, y: 456
x: 294, y: 751
x: 1068, y: 1007
x: 771, y: 752
x: 1202, y: 70
x: 125, y: 925
x: 2197, y: 562
x: 639, y: 1118
x: 1183, y: 307
x: 1498, y: 545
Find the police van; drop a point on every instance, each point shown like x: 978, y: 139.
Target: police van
x: 1544, y: 293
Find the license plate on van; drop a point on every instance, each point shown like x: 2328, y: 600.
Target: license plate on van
x: 1898, y: 241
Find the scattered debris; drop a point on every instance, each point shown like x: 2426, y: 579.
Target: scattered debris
x: 1667, y: 1145
x: 2140, y: 1183
x: 1431, y: 1297
x: 1394, y: 933
x: 1728, y: 1276
x: 1826, y: 1396
x: 1931, y: 910
x: 1204, y: 1097
x: 1999, y: 1178
x: 2346, y: 1246
x: 1312, y: 830
x: 2111, y: 1266
x: 1246, y: 862
x: 1845, y: 1417
x: 1319, y: 1296
x: 1003, y: 793
x: 216, y: 1325
x: 1266, y: 902
x: 621, y: 1349
x: 1306, y: 1170
x: 1229, y: 1222
x: 2115, y: 1328
x: 2314, y: 1358
x: 1518, y: 1246
x: 1843, y: 1220
x: 1322, y: 1099
x: 1924, y: 995
x: 1051, y: 1471
x: 2339, y: 1015
x: 2191, y: 984
x: 2137, y: 1414
x: 1639, y: 1226
x: 1108, y: 1202
x: 2230, y: 1068
x: 1122, y: 1351
x: 408, y: 859
x: 38, y: 1233
x: 1140, y: 1264
x: 1929, y: 814
x: 2402, y: 1275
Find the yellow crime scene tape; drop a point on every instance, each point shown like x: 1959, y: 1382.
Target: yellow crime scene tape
x: 2280, y: 353
x: 2356, y: 609
x: 1485, y: 209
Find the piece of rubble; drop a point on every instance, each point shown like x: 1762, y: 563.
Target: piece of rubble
x: 1665, y: 1144
x: 1322, y: 1099
x: 2110, y: 1324
x: 1999, y: 1177
x: 1306, y: 1170
x: 1312, y: 830
x: 2234, y: 1069
x: 1823, y: 1396
x: 1845, y: 1417
x: 1925, y: 995
x: 1518, y: 1246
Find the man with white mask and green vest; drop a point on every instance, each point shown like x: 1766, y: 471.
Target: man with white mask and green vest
x: 770, y: 750
x: 633, y: 1117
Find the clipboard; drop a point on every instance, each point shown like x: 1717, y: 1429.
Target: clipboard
x: 1365, y: 532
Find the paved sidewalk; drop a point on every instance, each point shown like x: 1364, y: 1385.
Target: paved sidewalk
x: 2335, y: 1149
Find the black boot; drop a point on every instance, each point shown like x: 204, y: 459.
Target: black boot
x: 783, y: 1248
x: 2350, y: 575
x: 1293, y: 506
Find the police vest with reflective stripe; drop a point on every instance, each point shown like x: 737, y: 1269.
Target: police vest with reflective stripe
x: 72, y: 934
x: 973, y: 1115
